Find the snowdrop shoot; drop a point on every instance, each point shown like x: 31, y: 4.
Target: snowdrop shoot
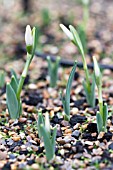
x: 53, y: 70
x: 102, y: 114
x: 88, y: 87
x: 14, y: 87
x: 48, y: 135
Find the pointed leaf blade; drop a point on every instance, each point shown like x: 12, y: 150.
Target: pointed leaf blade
x: 12, y: 102
x: 77, y: 39
x: 14, y: 84
x: 35, y: 38
x: 105, y: 115
x: 39, y: 122
x: 47, y: 143
x: 13, y: 73
x: 54, y: 138
x: 99, y: 122
x: 68, y: 89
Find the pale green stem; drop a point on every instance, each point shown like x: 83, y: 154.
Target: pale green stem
x: 86, y: 72
x: 85, y: 16
x: 23, y: 76
x: 100, y: 100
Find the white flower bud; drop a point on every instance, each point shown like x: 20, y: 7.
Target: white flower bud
x: 85, y: 2
x: 47, y: 122
x: 28, y: 36
x: 96, y: 67
x: 67, y: 32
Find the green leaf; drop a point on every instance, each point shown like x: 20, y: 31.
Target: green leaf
x: 35, y: 38
x: 14, y: 84
x: 87, y: 93
x: 68, y: 89
x: 53, y: 139
x: 2, y: 79
x: 53, y: 70
x: 39, y: 122
x: 93, y: 92
x: 12, y: 102
x: 82, y: 35
x: 66, y: 99
x: 90, y: 96
x: 77, y: 40
x: 47, y: 143
x: 13, y: 73
x: 19, y: 108
x: 69, y: 83
x: 63, y: 101
x: 99, y: 122
x: 105, y: 115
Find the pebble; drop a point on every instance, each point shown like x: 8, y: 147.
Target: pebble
x: 3, y: 155
x: 97, y: 151
x: 51, y: 113
x: 13, y: 167
x: 22, y: 119
x: 2, y: 163
x: 41, y: 84
x: 111, y: 146
x: 22, y: 165
x: 102, y: 165
x: 67, y: 146
x: 30, y: 162
x: 23, y: 147
x: 97, y: 143
x: 46, y: 94
x: 84, y: 126
x: 60, y: 140
x: 94, y: 134
x: 74, y: 149
x: 62, y: 152
x: 87, y: 155
x: 31, y: 109
x: 101, y: 134
x: 76, y: 133
x: 10, y: 141
x: 16, y: 138
x: 35, y: 148
x: 32, y: 135
x: 74, y: 111
x: 11, y: 133
x: 68, y: 131
x: 66, y: 139
x: 21, y: 157
x: 32, y: 86
x: 88, y: 143
x: 22, y: 135
x: 76, y: 126
x: 65, y: 123
x: 111, y: 129
x: 35, y: 166
x: 12, y: 156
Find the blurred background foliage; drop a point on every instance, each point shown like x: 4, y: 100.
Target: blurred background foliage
x: 46, y: 16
